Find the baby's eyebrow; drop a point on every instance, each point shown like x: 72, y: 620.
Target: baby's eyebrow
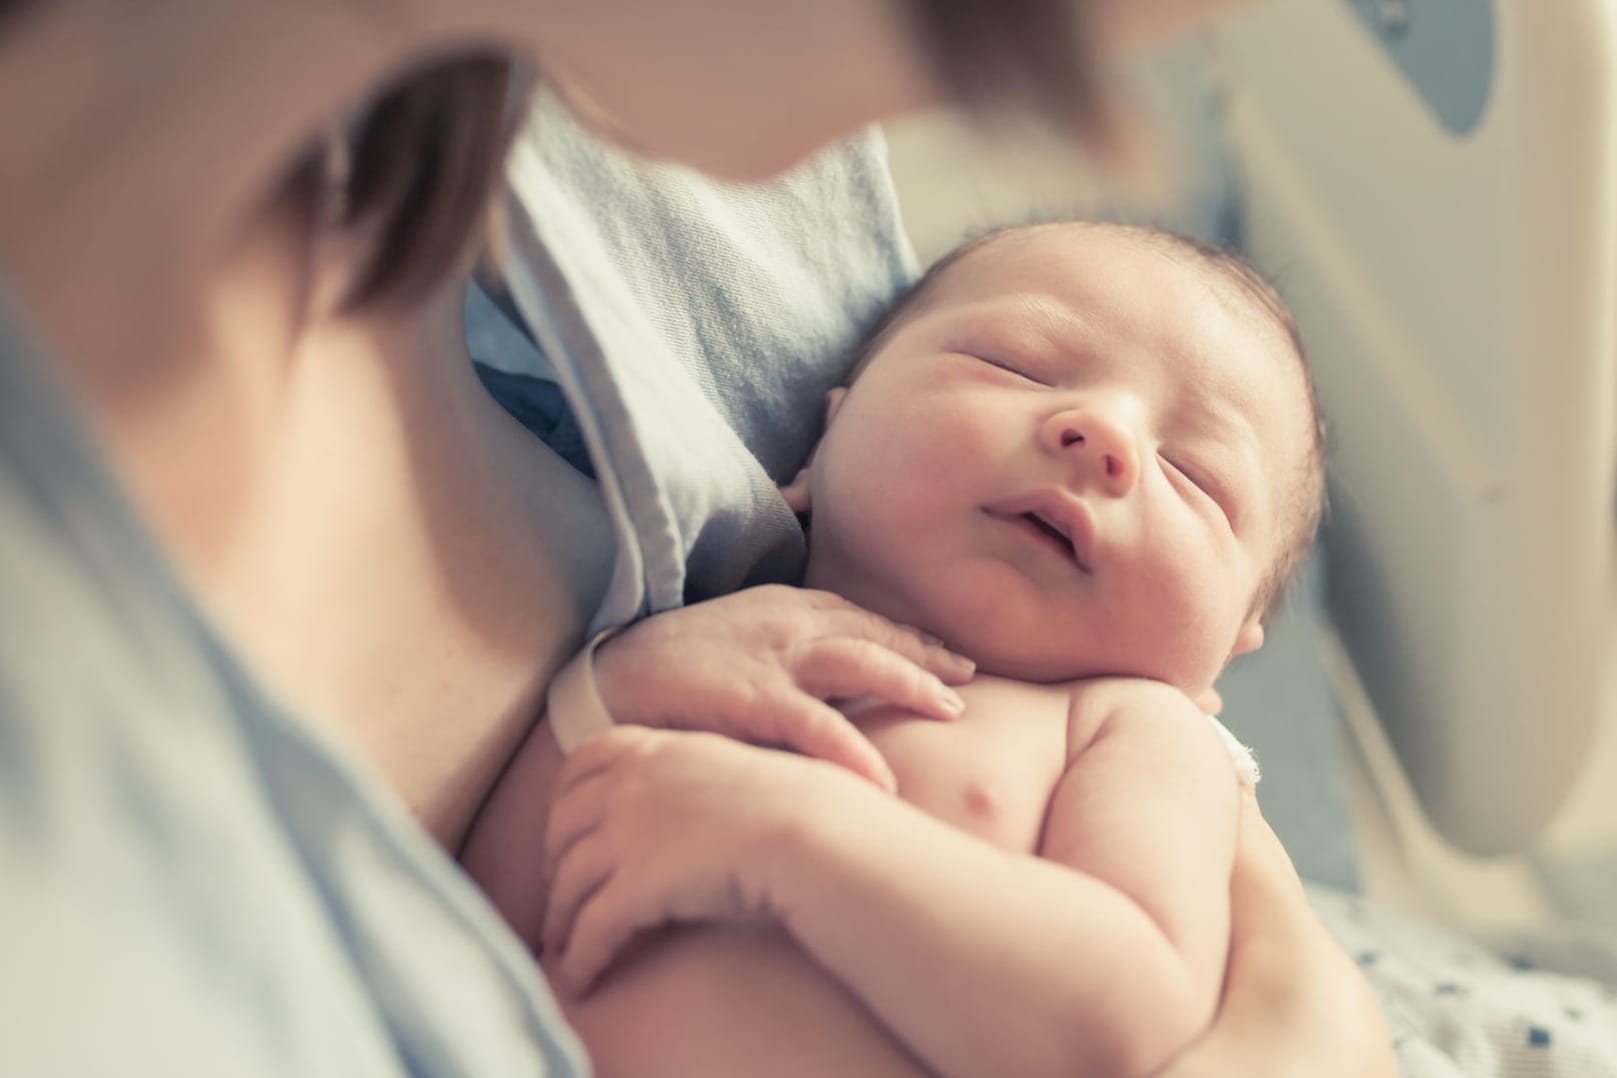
x: 1056, y: 323
x: 1033, y: 313
x: 1230, y: 423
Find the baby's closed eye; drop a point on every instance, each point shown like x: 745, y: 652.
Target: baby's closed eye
x: 1198, y: 478
x: 1010, y: 364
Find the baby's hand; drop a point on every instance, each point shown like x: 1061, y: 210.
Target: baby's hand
x: 651, y: 828
x: 759, y: 665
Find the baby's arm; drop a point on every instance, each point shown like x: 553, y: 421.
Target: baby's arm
x: 982, y: 960
x: 758, y: 665
x: 1150, y: 804
x: 1109, y: 969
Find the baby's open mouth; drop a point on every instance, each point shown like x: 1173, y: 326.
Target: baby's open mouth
x: 1051, y: 530
x: 1053, y: 519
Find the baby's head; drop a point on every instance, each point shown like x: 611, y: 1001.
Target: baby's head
x: 1074, y: 450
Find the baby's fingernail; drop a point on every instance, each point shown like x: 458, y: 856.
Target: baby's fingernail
x: 951, y: 702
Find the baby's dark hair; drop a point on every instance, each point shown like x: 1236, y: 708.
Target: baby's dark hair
x: 1306, y: 502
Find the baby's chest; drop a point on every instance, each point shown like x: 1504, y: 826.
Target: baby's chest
x: 990, y: 772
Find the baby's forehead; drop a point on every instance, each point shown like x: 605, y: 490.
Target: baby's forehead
x: 1159, y: 286
x: 1156, y: 288
x: 1094, y: 268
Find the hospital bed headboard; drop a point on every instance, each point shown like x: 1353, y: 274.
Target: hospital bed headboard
x: 1433, y: 186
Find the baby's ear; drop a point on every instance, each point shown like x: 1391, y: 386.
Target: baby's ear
x: 798, y: 493
x: 833, y: 402
x: 1250, y: 638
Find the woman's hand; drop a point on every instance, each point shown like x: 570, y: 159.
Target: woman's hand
x: 761, y: 664
x: 650, y: 828
x: 1294, y: 1004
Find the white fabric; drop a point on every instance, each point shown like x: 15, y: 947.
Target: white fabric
x: 1246, y: 762
x: 1540, y: 1006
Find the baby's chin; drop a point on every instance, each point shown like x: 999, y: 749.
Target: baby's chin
x: 1020, y: 665
x: 1009, y: 632
x: 1044, y: 658
x: 1007, y: 651
x: 1060, y: 672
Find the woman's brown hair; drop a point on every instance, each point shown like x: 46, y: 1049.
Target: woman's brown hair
x: 1021, y: 56
x: 417, y: 171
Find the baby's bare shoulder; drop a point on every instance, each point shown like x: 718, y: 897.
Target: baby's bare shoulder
x: 1094, y: 702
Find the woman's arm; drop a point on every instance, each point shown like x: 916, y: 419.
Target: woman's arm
x: 982, y: 960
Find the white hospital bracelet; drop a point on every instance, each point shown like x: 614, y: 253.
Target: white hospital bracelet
x: 573, y: 704
x: 1246, y: 764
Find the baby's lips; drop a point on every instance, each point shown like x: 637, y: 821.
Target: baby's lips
x: 1059, y: 511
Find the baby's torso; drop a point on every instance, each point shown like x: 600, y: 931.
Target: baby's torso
x: 722, y: 1000
x: 989, y: 772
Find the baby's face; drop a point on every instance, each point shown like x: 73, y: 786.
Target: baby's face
x: 1077, y: 458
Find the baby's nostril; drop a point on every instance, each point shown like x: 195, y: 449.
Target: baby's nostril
x: 1071, y: 437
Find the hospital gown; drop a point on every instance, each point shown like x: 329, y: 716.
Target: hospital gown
x: 191, y: 882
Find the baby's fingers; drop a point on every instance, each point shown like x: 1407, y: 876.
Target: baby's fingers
x: 923, y: 650
x: 812, y: 728
x: 576, y: 812
x: 601, y: 931
x: 845, y: 668
x: 576, y: 878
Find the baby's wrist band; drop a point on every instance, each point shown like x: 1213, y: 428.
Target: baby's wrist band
x: 1246, y: 762
x: 573, y: 703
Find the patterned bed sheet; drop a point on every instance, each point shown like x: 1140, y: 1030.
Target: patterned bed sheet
x: 1541, y: 1005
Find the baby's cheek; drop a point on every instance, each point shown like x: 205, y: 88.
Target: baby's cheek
x: 1217, y: 606
x: 1181, y: 618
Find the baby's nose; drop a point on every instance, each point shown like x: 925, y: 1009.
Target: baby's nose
x: 1099, y: 445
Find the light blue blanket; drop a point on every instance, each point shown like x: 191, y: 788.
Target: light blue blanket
x: 696, y: 328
